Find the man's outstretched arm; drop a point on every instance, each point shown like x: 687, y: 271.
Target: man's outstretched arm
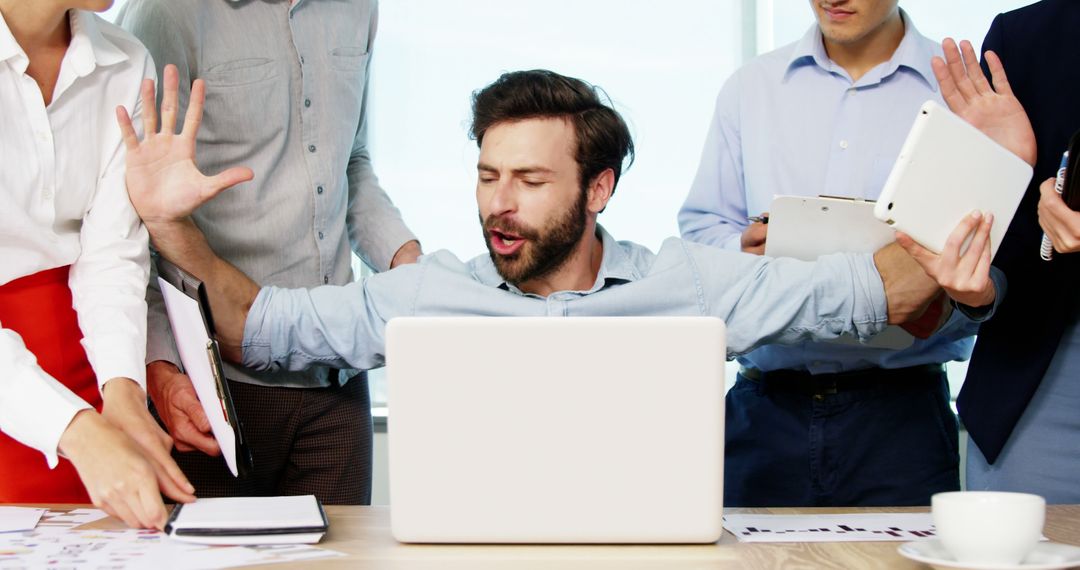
x: 166, y: 186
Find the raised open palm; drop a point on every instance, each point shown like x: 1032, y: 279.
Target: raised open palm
x: 994, y: 110
x: 163, y: 182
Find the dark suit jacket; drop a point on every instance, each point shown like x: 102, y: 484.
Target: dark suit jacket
x: 1040, y: 49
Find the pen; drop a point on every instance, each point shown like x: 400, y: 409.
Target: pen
x: 1046, y: 250
x: 756, y: 219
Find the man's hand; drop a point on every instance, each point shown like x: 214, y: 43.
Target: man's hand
x: 1061, y: 223
x: 165, y: 187
x: 119, y: 480
x: 163, y: 182
x: 407, y: 253
x: 753, y: 237
x: 994, y: 110
x: 178, y: 406
x: 125, y: 409
x: 965, y: 277
x: 908, y: 289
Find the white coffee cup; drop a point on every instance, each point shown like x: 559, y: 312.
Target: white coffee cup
x: 984, y: 527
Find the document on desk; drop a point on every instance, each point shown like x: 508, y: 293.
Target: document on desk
x: 806, y: 227
x: 192, y: 330
x: 861, y: 527
x: 14, y: 519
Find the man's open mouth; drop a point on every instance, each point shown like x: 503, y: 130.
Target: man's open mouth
x: 505, y: 243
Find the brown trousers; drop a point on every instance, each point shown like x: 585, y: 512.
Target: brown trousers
x: 303, y: 441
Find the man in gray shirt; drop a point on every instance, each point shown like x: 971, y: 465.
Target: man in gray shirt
x: 288, y: 97
x: 551, y: 152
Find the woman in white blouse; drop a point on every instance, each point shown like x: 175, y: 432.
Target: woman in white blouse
x: 73, y: 270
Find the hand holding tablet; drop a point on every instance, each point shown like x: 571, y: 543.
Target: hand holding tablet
x: 947, y: 169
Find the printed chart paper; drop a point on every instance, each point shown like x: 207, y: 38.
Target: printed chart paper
x: 56, y: 544
x: 900, y: 527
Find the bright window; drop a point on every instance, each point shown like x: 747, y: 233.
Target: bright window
x: 661, y: 64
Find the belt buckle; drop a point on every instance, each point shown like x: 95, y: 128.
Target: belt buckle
x: 824, y: 387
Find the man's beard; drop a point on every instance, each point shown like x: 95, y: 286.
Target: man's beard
x: 545, y: 251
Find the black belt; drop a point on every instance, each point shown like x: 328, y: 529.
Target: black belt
x: 803, y: 382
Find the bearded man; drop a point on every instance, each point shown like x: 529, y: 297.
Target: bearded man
x: 551, y: 154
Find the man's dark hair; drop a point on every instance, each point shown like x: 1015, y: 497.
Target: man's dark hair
x: 603, y: 140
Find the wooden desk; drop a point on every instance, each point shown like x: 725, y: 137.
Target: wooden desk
x: 364, y: 534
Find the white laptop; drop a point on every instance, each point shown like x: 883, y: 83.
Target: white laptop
x: 556, y: 429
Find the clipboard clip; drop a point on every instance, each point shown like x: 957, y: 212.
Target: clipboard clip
x: 213, y: 355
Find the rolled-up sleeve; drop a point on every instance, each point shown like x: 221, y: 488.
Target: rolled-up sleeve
x: 765, y: 300
x: 338, y: 326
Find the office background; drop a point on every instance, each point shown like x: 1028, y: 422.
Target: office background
x: 661, y: 67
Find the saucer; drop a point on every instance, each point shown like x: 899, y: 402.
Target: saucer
x: 1045, y: 556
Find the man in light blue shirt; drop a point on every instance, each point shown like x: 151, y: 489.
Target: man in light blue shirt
x: 824, y: 423
x: 551, y: 153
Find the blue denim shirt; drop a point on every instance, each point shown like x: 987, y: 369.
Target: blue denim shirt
x: 793, y: 122
x: 762, y: 300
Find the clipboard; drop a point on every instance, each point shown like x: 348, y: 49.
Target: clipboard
x: 193, y: 329
x: 806, y: 228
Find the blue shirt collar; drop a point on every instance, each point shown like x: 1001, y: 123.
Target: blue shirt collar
x: 616, y: 266
x: 912, y: 53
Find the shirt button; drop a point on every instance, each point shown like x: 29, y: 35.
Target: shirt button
x: 325, y: 279
x: 48, y: 193
x: 301, y: 60
x: 307, y: 102
x: 852, y: 91
x: 320, y: 235
x: 311, y: 148
x: 319, y: 189
x: 843, y: 144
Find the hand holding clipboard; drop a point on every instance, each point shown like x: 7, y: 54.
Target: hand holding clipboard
x: 193, y: 330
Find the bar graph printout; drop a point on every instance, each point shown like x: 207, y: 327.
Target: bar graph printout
x: 866, y: 527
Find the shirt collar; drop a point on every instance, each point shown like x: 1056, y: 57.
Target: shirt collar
x: 89, y: 47
x: 9, y: 48
x: 912, y: 53
x: 615, y: 267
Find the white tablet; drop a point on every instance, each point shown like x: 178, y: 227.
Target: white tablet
x: 947, y: 169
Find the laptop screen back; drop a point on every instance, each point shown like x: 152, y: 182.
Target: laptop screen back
x: 582, y: 430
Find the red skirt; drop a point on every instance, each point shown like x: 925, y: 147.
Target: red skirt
x: 39, y: 308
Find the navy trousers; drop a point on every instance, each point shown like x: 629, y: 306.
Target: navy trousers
x: 869, y: 443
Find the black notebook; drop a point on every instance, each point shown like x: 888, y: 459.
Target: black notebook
x: 249, y: 520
